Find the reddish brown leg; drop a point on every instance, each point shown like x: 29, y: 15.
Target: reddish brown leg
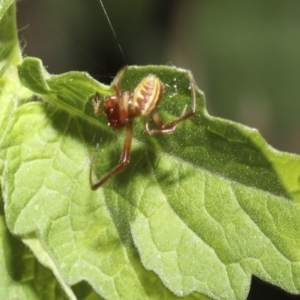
x: 119, y: 75
x: 125, y: 158
x: 170, y: 127
x: 118, y: 90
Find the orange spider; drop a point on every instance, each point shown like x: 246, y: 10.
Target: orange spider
x: 123, y: 107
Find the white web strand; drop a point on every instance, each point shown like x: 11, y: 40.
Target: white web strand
x: 113, y: 31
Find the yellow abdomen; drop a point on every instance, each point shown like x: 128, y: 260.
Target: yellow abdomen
x: 147, y: 95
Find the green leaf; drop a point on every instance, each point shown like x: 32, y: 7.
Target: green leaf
x: 22, y: 277
x: 66, y: 91
x: 196, y: 212
x: 206, y: 207
x: 9, y: 58
x: 99, y: 228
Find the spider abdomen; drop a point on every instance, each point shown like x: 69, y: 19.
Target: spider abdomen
x: 146, y: 95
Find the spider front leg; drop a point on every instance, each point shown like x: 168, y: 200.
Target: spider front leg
x: 98, y: 110
x: 124, y: 161
x: 96, y: 104
x: 171, y: 127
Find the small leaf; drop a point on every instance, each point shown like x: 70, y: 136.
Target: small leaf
x: 9, y: 46
x: 72, y: 92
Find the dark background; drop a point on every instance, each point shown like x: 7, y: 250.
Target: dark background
x: 245, y: 55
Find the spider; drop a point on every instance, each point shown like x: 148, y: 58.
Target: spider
x: 123, y: 107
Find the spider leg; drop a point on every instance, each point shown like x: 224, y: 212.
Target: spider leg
x: 118, y: 90
x: 125, y: 158
x: 119, y: 74
x: 96, y: 103
x: 171, y: 127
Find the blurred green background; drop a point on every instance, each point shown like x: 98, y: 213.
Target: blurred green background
x: 245, y: 55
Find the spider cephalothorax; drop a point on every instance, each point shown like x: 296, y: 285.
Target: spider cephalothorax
x: 123, y: 107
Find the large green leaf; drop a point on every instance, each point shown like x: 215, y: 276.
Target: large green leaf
x: 206, y: 207
x: 197, y: 211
